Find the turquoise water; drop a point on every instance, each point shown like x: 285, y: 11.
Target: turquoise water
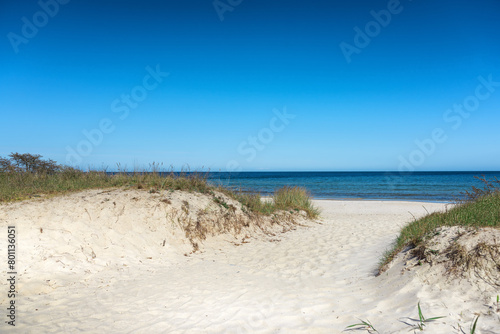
x: 417, y: 186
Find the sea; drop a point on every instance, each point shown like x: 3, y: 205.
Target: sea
x: 445, y: 187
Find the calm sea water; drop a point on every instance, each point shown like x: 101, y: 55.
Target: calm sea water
x: 417, y: 186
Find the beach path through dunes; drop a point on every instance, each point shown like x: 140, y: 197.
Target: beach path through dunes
x: 316, y: 279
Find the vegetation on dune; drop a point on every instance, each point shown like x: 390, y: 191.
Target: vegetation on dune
x: 419, y: 323
x: 23, y: 176
x: 479, y: 207
x: 295, y: 198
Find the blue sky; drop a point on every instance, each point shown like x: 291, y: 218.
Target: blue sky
x: 253, y: 85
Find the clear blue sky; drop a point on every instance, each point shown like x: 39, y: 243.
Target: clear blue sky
x: 360, y: 101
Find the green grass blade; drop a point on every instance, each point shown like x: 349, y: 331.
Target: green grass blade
x: 420, y: 315
x: 355, y: 325
x: 363, y: 324
x: 473, y: 329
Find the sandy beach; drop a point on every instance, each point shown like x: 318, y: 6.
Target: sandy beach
x: 109, y: 262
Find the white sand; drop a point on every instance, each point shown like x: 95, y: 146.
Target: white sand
x: 87, y: 265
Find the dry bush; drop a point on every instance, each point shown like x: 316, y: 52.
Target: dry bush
x: 483, y: 260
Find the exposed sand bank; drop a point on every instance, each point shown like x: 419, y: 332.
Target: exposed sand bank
x: 86, y: 264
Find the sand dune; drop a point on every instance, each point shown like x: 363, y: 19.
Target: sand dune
x: 88, y: 265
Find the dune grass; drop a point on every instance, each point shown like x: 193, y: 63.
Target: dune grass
x: 20, y: 183
x: 16, y: 186
x: 295, y: 198
x: 285, y: 198
x: 254, y: 202
x: 480, y: 208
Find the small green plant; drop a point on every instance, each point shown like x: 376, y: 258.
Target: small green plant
x: 498, y: 303
x: 422, y: 320
x: 473, y: 327
x: 221, y: 202
x: 363, y: 325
